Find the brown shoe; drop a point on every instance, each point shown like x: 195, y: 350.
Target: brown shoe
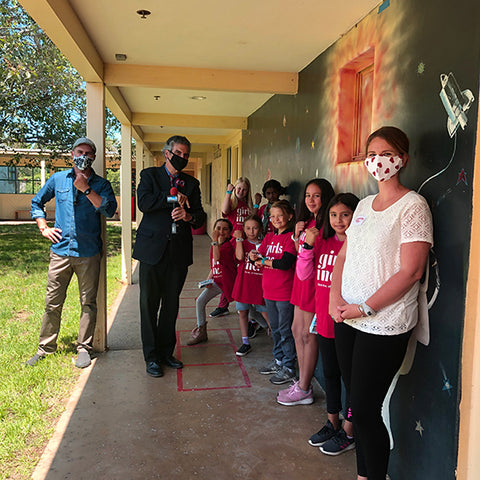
x: 199, y: 335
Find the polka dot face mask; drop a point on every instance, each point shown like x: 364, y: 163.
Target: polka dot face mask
x: 383, y: 168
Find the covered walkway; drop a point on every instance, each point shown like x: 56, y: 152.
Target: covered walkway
x: 215, y: 419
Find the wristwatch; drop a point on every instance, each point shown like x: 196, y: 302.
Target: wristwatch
x: 366, y: 310
x: 87, y: 191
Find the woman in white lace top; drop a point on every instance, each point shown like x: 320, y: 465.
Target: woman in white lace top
x: 374, y: 293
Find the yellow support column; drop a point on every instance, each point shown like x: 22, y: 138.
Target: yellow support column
x: 96, y: 132
x: 126, y: 203
x: 468, y: 464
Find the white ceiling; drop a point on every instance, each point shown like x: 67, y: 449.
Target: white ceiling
x: 251, y: 35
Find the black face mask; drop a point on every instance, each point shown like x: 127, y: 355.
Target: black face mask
x: 178, y: 163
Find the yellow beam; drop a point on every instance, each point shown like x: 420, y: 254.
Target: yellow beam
x: 60, y: 22
x: 193, y: 121
x: 185, y: 78
x: 198, y: 139
x: 117, y: 105
x: 120, y: 109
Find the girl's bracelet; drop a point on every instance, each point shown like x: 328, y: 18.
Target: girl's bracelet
x: 294, y: 239
x: 263, y: 261
x: 229, y: 192
x: 255, y: 205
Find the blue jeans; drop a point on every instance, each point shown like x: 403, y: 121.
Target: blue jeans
x: 280, y: 315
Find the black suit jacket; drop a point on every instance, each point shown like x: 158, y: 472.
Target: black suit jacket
x: 154, y: 233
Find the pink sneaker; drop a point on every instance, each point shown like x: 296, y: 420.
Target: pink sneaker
x: 285, y: 391
x: 295, y: 396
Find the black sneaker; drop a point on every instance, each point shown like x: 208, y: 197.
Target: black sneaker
x: 338, y: 444
x: 324, y: 434
x: 243, y: 350
x: 219, y: 312
x: 270, y: 369
x: 284, y: 375
x: 252, y: 329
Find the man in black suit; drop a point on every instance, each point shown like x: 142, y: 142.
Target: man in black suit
x: 165, y: 250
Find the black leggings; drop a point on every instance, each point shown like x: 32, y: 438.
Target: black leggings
x: 368, y: 364
x: 333, y: 379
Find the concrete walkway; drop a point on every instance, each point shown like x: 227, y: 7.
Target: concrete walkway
x: 215, y: 419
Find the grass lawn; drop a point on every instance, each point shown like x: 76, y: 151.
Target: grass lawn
x: 32, y: 399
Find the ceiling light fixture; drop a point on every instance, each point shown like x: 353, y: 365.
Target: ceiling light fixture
x: 144, y: 13
x: 120, y: 57
x: 156, y: 97
x: 198, y: 97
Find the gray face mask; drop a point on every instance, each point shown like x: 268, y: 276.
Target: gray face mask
x: 82, y: 162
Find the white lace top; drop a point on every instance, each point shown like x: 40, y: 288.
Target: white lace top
x: 373, y: 256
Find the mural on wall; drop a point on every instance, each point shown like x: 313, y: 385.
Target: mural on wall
x: 322, y: 141
x: 419, y: 85
x: 456, y: 104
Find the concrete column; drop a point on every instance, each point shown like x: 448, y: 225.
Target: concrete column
x: 148, y: 162
x: 96, y: 133
x: 126, y: 203
x: 42, y: 172
x: 139, y: 155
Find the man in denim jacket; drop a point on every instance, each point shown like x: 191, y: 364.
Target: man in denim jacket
x: 81, y: 197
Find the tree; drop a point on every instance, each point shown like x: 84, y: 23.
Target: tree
x: 42, y: 97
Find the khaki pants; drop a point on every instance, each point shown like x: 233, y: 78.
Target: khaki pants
x: 60, y: 271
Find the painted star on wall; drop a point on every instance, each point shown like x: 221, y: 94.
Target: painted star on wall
x: 419, y: 428
x: 462, y: 177
x: 447, y: 386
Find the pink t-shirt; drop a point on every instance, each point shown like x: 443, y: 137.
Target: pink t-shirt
x: 248, y: 283
x: 260, y: 213
x: 225, y: 269
x: 317, y: 264
x: 303, y: 292
x: 277, y: 284
x: 238, y: 215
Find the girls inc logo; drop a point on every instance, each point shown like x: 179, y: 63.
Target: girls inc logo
x: 216, y: 270
x: 277, y: 248
x: 326, y: 261
x: 252, y: 268
x: 242, y: 214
